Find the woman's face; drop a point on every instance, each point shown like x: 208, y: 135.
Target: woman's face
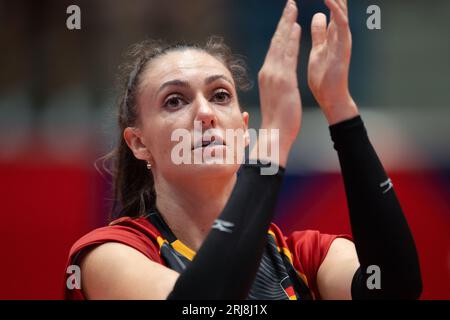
x: 180, y: 89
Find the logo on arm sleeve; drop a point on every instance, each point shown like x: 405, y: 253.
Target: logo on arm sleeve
x: 387, y: 185
x: 223, y: 225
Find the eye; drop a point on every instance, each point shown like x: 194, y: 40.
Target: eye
x: 174, y: 102
x: 221, y: 96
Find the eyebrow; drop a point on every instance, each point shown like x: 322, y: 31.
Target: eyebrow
x: 216, y: 77
x: 181, y: 83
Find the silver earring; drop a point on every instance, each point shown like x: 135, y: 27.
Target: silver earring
x: 149, y: 166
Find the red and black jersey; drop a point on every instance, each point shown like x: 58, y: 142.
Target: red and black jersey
x: 287, y: 271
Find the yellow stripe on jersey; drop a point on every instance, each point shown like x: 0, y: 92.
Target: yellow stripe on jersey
x: 161, y: 241
x: 301, y: 275
x: 183, y: 249
x: 288, y: 254
x: 179, y: 246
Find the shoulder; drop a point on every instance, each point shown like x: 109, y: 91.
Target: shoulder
x: 108, y: 258
x: 137, y: 233
x: 135, y: 276
x: 116, y: 271
x: 124, y: 236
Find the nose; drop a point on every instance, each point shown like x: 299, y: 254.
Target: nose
x: 205, y: 113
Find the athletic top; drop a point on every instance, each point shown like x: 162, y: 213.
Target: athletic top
x: 287, y: 271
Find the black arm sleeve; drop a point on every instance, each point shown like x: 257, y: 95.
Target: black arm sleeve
x: 380, y: 231
x: 226, y: 264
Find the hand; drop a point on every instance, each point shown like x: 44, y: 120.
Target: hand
x: 329, y: 63
x: 278, y: 86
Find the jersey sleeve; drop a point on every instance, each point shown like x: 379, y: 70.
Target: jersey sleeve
x: 309, y: 249
x: 115, y: 233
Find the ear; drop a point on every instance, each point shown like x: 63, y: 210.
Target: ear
x: 133, y: 138
x: 245, y: 117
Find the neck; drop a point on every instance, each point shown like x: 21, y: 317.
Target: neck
x: 190, y: 209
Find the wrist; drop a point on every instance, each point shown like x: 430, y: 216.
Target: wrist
x: 270, y: 147
x: 340, y: 110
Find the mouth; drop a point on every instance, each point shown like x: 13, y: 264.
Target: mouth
x: 213, y: 142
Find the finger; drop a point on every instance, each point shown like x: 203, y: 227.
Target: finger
x: 287, y: 19
x: 343, y: 5
x: 293, y: 46
x: 318, y: 29
x: 281, y: 36
x: 337, y: 14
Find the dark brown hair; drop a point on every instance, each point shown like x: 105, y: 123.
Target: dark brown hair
x: 133, y: 185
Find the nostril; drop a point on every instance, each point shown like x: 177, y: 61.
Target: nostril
x: 210, y: 122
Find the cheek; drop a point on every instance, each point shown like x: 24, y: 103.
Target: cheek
x: 235, y: 120
x: 159, y: 139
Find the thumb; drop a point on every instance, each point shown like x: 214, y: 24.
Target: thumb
x: 318, y: 29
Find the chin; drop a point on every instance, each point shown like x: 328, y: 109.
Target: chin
x: 206, y: 169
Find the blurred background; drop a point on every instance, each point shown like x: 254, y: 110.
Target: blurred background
x: 57, y: 116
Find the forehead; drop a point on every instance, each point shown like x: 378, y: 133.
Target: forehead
x: 189, y: 65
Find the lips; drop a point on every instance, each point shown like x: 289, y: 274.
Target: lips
x: 210, y: 141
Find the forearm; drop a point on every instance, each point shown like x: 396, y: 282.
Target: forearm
x: 226, y: 264
x: 381, y: 233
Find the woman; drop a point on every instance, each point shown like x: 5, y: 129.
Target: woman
x: 203, y: 231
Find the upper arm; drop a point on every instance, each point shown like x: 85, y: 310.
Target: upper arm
x: 335, y: 274
x: 117, y: 271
